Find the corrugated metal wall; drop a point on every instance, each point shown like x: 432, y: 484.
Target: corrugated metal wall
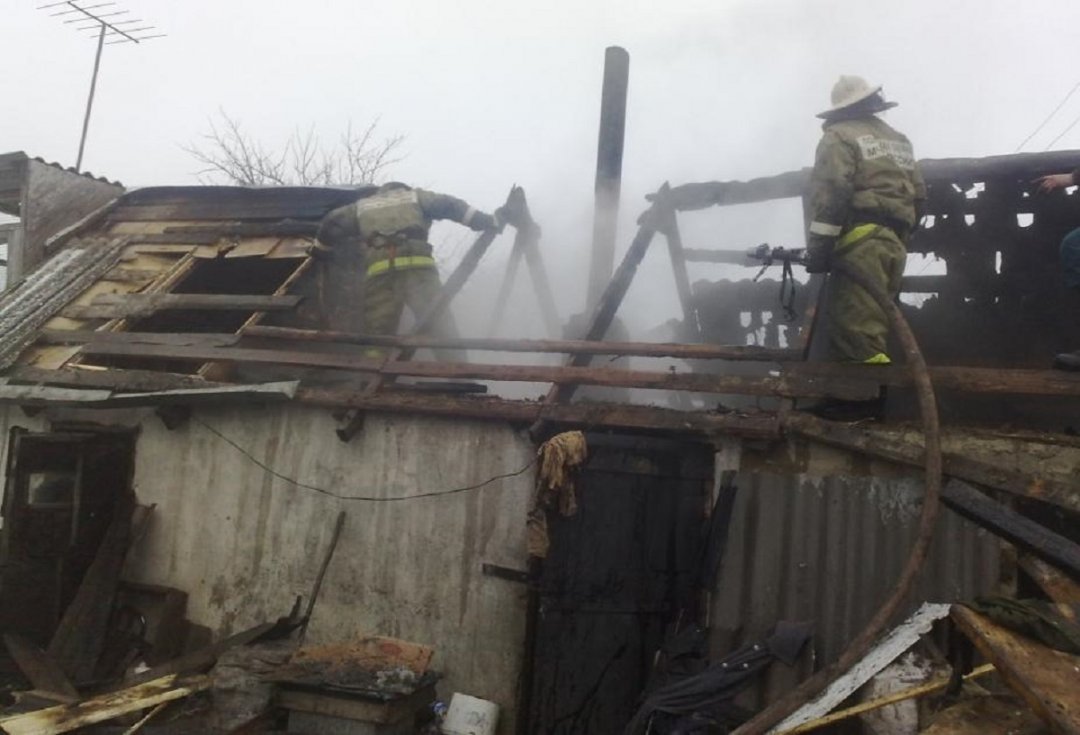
x: 829, y: 549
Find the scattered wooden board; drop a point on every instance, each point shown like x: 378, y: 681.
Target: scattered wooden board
x: 68, y: 717
x: 38, y: 667
x: 1048, y: 680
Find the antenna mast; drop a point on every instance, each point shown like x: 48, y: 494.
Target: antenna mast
x: 99, y: 18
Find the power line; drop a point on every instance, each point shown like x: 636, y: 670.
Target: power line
x: 1048, y: 119
x: 365, y: 498
x: 1063, y: 133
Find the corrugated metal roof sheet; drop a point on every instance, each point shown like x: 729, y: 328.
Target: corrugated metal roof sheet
x: 231, y: 203
x: 829, y: 549
x: 31, y: 303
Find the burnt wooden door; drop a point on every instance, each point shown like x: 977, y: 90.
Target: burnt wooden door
x: 59, y: 496
x: 619, y: 574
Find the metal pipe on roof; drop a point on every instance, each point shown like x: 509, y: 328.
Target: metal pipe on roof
x: 609, y: 157
x: 90, y: 99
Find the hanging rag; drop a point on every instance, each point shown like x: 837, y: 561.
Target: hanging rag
x: 559, y: 459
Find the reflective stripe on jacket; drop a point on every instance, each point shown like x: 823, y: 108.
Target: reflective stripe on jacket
x: 400, y: 263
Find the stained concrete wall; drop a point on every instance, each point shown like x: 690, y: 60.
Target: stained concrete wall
x: 244, y: 543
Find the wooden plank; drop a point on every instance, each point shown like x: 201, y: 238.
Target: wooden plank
x: 262, y: 392
x: 882, y: 444
x: 685, y: 351
x: 698, y: 382
x: 131, y: 275
x: 77, y: 643
x: 887, y: 650
x: 1045, y: 678
x: 171, y: 236
x: 36, y: 395
x: 283, y: 228
x: 876, y: 704
x: 354, y: 708
x: 163, y: 249
x: 1057, y: 586
x: 68, y: 717
x: 41, y: 395
x: 964, y: 379
x: 203, y: 658
x: 180, y: 339
x: 761, y: 425
x: 1011, y: 526
x: 38, y: 667
x: 120, y: 306
x: 992, y: 714
x: 112, y: 378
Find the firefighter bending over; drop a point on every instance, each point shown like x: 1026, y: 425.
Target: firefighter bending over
x: 864, y: 194
x: 391, y: 226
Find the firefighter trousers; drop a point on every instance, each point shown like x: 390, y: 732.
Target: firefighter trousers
x: 858, y: 327
x: 386, y: 295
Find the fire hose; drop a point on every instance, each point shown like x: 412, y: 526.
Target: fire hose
x: 860, y: 646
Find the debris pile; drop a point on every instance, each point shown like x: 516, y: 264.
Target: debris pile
x: 126, y: 659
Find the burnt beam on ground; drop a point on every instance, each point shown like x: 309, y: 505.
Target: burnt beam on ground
x: 1045, y: 678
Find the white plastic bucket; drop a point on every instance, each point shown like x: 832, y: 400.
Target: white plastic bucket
x: 470, y: 716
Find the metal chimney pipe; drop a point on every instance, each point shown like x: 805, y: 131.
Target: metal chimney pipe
x: 609, y: 156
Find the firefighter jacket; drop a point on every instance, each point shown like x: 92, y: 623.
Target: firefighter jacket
x: 392, y: 226
x: 864, y: 172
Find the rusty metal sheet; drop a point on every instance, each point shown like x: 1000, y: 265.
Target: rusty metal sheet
x: 373, y: 665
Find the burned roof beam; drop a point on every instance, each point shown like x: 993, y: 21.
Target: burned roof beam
x: 579, y: 415
x: 1012, y: 381
x: 656, y: 380
x: 592, y: 347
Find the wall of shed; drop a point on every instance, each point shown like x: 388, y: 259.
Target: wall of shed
x: 829, y: 549
x: 53, y: 199
x: 244, y: 544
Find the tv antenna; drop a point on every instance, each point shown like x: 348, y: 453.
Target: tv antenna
x: 99, y: 19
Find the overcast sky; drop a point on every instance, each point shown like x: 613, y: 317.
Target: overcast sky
x: 495, y: 93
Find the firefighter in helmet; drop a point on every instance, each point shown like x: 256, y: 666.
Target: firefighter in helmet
x: 865, y: 194
x: 391, y: 225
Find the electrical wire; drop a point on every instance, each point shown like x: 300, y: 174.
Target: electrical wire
x: 1063, y: 132
x: 1048, y: 119
x: 365, y: 498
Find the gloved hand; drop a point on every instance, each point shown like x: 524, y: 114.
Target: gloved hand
x: 482, y: 221
x: 694, y: 196
x: 819, y: 254
x: 318, y: 251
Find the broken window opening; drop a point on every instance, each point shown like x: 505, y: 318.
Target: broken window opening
x: 234, y: 276
x: 60, y: 492
x: 1025, y: 219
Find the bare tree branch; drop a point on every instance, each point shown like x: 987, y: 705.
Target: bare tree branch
x: 227, y: 152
